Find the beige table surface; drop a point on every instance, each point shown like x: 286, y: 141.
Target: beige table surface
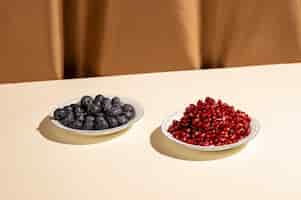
x: 39, y: 162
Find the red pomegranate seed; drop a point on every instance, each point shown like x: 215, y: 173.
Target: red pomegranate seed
x: 211, y: 122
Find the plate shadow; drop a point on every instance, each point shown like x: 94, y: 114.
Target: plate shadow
x: 55, y: 134
x: 171, y: 149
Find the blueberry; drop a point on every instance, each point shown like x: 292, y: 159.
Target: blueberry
x: 68, y: 108
x: 74, y: 105
x: 112, y: 122
x: 100, y: 114
x: 129, y: 114
x: 106, y: 105
x: 99, y: 118
x: 127, y: 107
x: 93, y: 109
x: 116, y: 101
x: 88, y: 125
x: 97, y: 103
x: 106, y: 99
x: 99, y: 98
x: 76, y: 114
x: 86, y: 101
x: 65, y: 122
x: 100, y: 124
x: 122, y: 119
x: 77, y: 124
x: 68, y: 119
x: 89, y: 118
x: 59, y: 114
x: 114, y: 111
x: 80, y: 116
x: 77, y: 109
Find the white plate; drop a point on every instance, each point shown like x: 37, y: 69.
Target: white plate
x: 176, y: 116
x: 135, y: 104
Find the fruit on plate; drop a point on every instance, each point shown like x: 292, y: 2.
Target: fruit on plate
x: 96, y: 113
x: 211, y: 123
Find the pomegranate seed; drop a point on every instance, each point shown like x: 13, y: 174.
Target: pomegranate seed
x: 211, y: 122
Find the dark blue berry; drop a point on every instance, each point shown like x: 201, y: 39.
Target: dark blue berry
x: 100, y: 114
x: 122, y: 119
x: 93, y: 109
x: 70, y: 117
x: 106, y: 99
x: 112, y: 122
x: 100, y: 118
x: 86, y: 101
x: 67, y: 121
x: 106, y: 105
x: 129, y: 114
x: 100, y: 124
x: 127, y: 107
x: 97, y: 103
x: 77, y: 124
x: 89, y: 118
x: 68, y: 108
x: 78, y: 109
x: 59, y: 114
x: 80, y: 116
x: 88, y: 125
x: 116, y: 101
x: 99, y: 98
x: 114, y: 111
x: 74, y: 105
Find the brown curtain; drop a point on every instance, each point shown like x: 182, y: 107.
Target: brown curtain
x: 55, y: 39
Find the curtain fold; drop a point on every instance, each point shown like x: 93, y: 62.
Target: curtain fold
x: 251, y: 32
x: 55, y: 39
x: 30, y: 41
x: 133, y: 36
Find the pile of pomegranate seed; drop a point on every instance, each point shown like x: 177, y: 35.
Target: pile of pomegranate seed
x: 211, y: 123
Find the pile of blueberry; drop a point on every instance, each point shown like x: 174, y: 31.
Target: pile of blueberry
x: 95, y: 113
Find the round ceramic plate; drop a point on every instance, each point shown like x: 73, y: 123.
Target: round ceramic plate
x: 176, y: 116
x: 138, y: 109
